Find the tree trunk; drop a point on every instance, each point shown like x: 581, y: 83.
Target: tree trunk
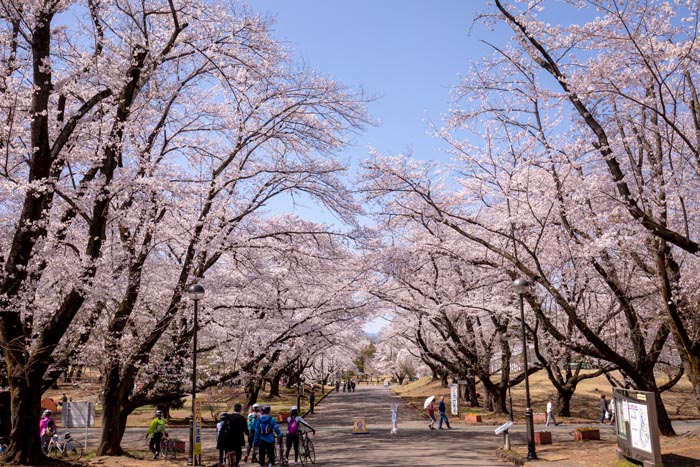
x: 648, y: 383
x: 443, y: 380
x: 25, y: 407
x: 471, y: 390
x: 665, y: 426
x: 275, y: 385
x: 691, y: 364
x: 113, y: 426
x: 251, y: 389
x: 113, y: 413
x: 564, y: 402
x: 495, y: 397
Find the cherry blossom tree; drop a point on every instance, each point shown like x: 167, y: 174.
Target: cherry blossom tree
x: 626, y: 82
x: 522, y: 235
x: 143, y: 156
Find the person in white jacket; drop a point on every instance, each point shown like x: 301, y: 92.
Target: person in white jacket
x: 550, y: 413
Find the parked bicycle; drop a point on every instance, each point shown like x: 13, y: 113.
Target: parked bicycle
x: 64, y: 447
x: 167, y: 448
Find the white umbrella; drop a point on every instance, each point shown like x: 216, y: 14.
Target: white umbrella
x: 428, y: 401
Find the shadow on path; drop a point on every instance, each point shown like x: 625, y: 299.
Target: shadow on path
x: 413, y: 445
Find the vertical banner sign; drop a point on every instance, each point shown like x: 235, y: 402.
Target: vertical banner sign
x: 197, y: 428
x: 454, y: 399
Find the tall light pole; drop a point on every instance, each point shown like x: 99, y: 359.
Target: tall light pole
x: 521, y: 287
x: 195, y: 292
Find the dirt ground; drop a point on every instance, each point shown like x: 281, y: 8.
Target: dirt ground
x: 680, y: 451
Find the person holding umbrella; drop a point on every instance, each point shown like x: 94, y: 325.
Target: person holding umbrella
x: 431, y: 414
x: 431, y: 411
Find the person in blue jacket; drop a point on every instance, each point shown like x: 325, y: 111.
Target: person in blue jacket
x: 265, y: 437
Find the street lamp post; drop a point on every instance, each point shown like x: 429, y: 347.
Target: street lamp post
x: 299, y: 388
x: 521, y: 287
x: 195, y: 292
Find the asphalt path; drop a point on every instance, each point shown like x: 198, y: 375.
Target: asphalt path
x: 414, y: 444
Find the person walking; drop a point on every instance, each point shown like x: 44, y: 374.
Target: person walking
x: 265, y: 437
x: 253, y: 421
x: 603, y: 408
x: 611, y: 411
x: 238, y: 432
x: 550, y: 413
x: 294, y: 427
x: 431, y: 414
x: 222, y: 418
x: 156, y: 431
x: 47, y: 428
x: 337, y: 386
x: 312, y: 400
x: 443, y: 416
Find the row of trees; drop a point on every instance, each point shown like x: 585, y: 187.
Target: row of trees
x: 575, y: 165
x: 142, y: 142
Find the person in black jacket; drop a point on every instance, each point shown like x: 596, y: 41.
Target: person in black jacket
x: 238, y: 430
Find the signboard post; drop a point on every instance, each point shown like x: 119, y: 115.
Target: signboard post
x: 636, y: 426
x: 454, y: 399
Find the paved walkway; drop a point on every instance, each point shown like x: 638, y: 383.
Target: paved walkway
x: 413, y: 445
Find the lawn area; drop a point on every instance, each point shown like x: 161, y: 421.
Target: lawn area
x: 678, y: 451
x: 584, y: 405
x: 214, y: 400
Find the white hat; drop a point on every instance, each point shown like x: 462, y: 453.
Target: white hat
x: 292, y: 408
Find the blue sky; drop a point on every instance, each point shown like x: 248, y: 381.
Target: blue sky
x: 406, y: 53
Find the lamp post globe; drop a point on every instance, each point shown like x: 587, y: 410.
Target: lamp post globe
x: 522, y: 287
x: 196, y: 293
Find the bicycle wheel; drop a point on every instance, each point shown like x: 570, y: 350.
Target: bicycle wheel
x: 169, y: 450
x: 310, y: 451
x: 52, y: 451
x: 73, y: 450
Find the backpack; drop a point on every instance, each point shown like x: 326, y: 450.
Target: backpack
x: 225, y: 428
x: 292, y: 426
x: 266, y: 426
x: 252, y: 420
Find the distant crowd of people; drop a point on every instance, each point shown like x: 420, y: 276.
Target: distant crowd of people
x: 347, y: 385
